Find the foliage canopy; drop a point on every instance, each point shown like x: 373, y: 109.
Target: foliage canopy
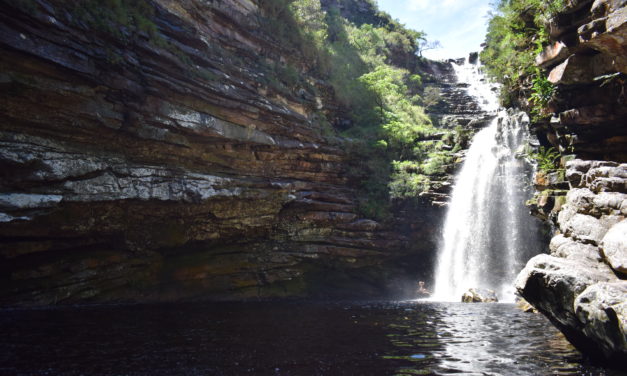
x: 517, y: 32
x: 372, y: 63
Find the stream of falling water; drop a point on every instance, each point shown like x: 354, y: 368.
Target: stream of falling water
x: 488, y: 233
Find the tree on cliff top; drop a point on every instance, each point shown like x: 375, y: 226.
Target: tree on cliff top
x: 425, y: 45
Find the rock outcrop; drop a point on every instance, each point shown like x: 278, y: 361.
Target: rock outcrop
x: 479, y: 296
x: 587, y: 62
x: 581, y: 286
x: 176, y: 161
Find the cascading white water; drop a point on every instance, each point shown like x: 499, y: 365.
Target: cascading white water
x: 478, y: 87
x: 488, y: 233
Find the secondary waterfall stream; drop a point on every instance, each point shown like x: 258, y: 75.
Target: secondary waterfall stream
x: 488, y: 233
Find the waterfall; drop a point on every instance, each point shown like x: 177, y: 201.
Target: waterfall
x: 478, y: 87
x: 488, y: 233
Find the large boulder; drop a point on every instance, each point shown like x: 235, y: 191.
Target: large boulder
x: 614, y: 246
x: 567, y: 248
x: 583, y: 298
x: 602, y: 310
x: 551, y: 284
x: 581, y: 285
x: 475, y: 295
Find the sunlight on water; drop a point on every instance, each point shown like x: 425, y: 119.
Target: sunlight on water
x: 487, y: 235
x: 285, y: 338
x: 478, y: 87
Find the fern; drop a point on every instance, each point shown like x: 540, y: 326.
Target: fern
x: 542, y: 91
x: 547, y: 158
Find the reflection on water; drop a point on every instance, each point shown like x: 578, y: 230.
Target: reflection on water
x: 484, y: 339
x: 297, y: 338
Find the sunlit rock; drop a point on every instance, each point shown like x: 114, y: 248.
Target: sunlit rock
x: 551, y: 285
x: 552, y: 54
x: 579, y: 285
x: 614, y: 247
x: 602, y: 311
x: 524, y: 306
x: 475, y: 295
x: 567, y: 248
x: 608, y: 32
x: 574, y: 70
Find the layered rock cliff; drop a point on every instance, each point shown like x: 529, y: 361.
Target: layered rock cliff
x: 586, y: 61
x: 582, y: 285
x: 174, y: 150
x: 159, y: 165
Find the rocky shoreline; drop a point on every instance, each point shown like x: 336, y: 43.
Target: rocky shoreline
x: 581, y: 286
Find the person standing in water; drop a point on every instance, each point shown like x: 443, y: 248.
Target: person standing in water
x: 422, y: 291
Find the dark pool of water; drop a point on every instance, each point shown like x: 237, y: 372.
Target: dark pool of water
x: 288, y: 338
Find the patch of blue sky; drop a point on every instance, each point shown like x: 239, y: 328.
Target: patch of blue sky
x: 459, y: 25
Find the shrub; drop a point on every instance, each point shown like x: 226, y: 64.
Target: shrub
x: 371, y: 64
x: 436, y: 163
x: 432, y: 97
x: 405, y: 184
x: 516, y: 34
x: 541, y: 93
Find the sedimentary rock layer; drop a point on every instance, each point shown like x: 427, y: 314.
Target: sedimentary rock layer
x: 581, y: 286
x: 587, y: 61
x: 174, y: 166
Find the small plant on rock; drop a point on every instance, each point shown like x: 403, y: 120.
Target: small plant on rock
x: 542, y: 91
x: 547, y: 158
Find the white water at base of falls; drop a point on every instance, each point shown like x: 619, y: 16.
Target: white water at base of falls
x: 488, y: 233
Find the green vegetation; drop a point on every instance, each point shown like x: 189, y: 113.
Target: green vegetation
x: 372, y: 64
x: 120, y: 18
x: 516, y: 34
x: 407, y: 181
x: 431, y: 97
x: 370, y: 60
x: 547, y: 158
x: 541, y: 93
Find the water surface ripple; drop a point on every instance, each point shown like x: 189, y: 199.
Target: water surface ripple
x: 287, y: 338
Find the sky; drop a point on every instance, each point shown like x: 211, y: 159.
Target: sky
x: 459, y: 25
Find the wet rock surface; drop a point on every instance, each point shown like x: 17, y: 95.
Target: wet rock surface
x: 455, y: 108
